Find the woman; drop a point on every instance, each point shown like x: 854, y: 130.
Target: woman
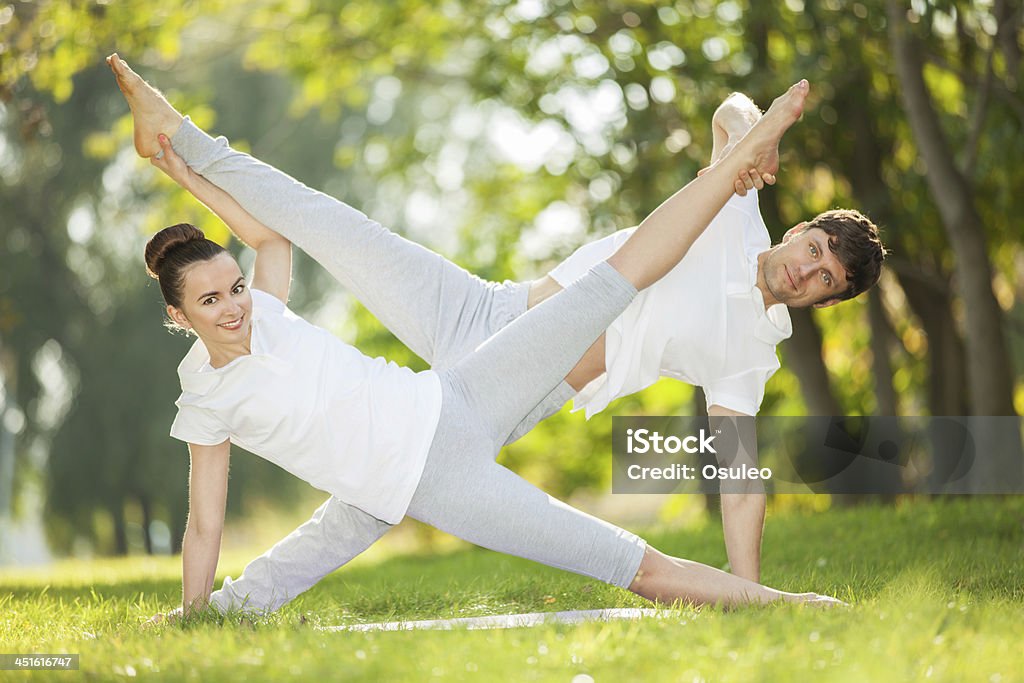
x: 386, y: 440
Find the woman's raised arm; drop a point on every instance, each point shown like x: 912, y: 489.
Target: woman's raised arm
x: 273, y: 269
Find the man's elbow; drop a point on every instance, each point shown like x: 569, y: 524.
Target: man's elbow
x: 204, y: 531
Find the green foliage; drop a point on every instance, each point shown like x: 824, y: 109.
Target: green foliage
x: 50, y: 42
x: 399, y: 108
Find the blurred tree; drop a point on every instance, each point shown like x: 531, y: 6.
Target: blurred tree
x: 502, y: 134
x: 990, y: 385
x: 72, y: 286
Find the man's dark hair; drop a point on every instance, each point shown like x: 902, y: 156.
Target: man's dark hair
x: 853, y: 238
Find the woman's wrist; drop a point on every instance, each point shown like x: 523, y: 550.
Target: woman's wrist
x: 190, y: 181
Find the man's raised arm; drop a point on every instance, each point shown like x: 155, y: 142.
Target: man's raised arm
x: 743, y: 503
x: 735, y: 116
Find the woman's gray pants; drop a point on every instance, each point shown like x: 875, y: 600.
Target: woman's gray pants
x: 443, y: 314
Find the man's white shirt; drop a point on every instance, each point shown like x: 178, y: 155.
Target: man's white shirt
x: 704, y: 323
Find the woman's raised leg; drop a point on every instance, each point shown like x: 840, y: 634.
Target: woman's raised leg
x: 437, y: 309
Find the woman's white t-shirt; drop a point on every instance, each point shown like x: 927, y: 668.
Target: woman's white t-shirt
x: 704, y: 323
x: 353, y: 426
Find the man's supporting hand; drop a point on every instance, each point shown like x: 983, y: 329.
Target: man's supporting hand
x: 742, y: 524
x: 743, y: 502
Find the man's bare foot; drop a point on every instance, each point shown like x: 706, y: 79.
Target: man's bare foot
x: 748, y: 179
x: 759, y: 148
x: 152, y: 113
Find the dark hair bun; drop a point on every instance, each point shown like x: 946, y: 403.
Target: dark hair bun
x: 167, y: 240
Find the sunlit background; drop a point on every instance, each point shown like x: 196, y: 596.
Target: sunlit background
x: 503, y: 134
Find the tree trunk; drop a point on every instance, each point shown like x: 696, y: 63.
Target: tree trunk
x: 1008, y: 14
x: 147, y: 519
x: 927, y: 294
x: 120, y: 528
x: 947, y: 371
x: 802, y: 352
x: 8, y: 401
x: 863, y: 167
x: 882, y: 338
x: 989, y: 370
x: 989, y: 377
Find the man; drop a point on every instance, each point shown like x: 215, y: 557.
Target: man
x: 715, y: 320
x: 731, y: 280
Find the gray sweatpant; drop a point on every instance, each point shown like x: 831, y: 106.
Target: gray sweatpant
x: 443, y: 314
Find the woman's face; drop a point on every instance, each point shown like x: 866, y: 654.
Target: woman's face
x: 216, y: 303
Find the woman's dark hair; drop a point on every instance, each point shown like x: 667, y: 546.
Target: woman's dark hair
x: 171, y: 251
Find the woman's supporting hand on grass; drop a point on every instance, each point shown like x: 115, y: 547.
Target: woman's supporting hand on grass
x: 172, y: 617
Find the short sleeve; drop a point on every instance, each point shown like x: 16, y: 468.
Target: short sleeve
x: 198, y: 425
x: 587, y: 256
x: 267, y: 302
x: 742, y: 392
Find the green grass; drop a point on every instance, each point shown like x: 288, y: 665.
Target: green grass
x: 937, y: 591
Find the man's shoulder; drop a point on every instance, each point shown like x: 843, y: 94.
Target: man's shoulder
x: 747, y: 207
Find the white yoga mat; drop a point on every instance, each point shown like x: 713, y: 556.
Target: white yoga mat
x: 512, y: 620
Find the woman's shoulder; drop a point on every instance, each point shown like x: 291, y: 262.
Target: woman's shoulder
x: 277, y: 327
x: 265, y: 301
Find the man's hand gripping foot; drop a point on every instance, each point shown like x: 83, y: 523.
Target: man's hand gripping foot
x: 761, y: 143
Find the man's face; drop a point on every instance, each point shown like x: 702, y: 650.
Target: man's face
x: 802, y: 271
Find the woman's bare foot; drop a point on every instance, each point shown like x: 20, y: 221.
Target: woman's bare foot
x: 152, y: 113
x: 759, y: 148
